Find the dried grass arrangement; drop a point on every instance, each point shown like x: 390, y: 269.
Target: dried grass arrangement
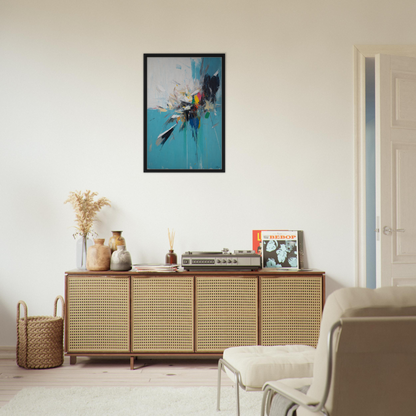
x: 86, y: 210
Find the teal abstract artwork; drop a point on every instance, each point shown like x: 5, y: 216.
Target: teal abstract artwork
x: 184, y: 113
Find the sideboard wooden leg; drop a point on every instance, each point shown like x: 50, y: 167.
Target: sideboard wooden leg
x: 72, y: 359
x: 131, y: 363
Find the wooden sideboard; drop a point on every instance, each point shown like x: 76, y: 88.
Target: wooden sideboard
x: 189, y: 313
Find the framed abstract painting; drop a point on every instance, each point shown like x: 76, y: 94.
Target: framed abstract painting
x: 184, y: 113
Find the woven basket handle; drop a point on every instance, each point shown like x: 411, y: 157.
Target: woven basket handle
x: 56, y: 306
x: 24, y: 340
x: 18, y: 310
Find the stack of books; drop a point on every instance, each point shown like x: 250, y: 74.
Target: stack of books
x: 155, y: 267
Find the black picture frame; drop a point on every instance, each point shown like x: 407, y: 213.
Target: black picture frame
x: 184, y: 112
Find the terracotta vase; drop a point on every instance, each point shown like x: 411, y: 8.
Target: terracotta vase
x: 171, y: 258
x: 116, y: 240
x: 98, y: 256
x: 121, y: 259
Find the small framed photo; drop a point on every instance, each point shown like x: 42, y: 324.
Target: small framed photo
x: 184, y: 113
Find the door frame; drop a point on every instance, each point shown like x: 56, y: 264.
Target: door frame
x: 360, y: 53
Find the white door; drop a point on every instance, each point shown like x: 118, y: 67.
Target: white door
x: 396, y: 170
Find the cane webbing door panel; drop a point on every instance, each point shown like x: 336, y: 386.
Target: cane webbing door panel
x: 162, y: 314
x: 189, y: 314
x: 98, y: 310
x: 226, y: 312
x: 291, y: 309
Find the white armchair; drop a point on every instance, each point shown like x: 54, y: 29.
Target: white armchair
x: 365, y: 363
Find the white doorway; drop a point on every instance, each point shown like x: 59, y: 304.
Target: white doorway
x: 401, y: 244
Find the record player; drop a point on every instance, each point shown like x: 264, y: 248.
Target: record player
x: 240, y: 260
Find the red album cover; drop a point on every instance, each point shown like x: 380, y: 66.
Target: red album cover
x: 257, y: 241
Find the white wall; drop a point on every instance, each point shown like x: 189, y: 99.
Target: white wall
x: 71, y: 118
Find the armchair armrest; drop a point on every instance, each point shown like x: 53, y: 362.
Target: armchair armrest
x: 312, y: 404
x: 289, y: 391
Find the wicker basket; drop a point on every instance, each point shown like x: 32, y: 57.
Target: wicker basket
x: 40, y: 338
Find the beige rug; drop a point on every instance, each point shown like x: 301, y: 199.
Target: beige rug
x: 130, y: 401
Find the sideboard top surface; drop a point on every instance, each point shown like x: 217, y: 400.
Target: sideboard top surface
x: 262, y: 272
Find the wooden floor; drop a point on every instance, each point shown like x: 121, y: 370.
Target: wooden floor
x: 109, y: 372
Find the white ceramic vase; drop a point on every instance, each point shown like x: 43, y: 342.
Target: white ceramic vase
x: 121, y: 259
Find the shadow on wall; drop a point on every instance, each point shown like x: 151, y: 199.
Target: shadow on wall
x: 331, y: 285
x: 7, y: 325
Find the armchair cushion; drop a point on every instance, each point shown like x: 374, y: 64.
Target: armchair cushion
x: 258, y: 364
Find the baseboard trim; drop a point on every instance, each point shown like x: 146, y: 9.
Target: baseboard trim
x: 7, y: 352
